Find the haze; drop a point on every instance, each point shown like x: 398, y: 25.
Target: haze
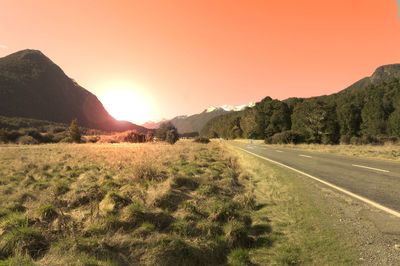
x: 181, y: 57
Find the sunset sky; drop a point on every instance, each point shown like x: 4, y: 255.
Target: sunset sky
x: 168, y: 58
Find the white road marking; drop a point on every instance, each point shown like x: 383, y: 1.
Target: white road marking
x: 370, y: 202
x: 307, y: 156
x: 371, y: 168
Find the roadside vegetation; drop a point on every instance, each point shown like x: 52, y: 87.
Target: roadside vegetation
x: 387, y: 151
x: 126, y: 204
x: 304, y: 230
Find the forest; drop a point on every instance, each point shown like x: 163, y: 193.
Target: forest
x: 353, y: 116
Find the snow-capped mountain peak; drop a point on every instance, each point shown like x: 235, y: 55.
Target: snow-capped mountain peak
x: 227, y: 107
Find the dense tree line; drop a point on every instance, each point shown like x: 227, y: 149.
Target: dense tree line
x: 362, y: 115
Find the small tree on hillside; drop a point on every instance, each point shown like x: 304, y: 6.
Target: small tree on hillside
x: 74, y: 133
x: 167, y: 132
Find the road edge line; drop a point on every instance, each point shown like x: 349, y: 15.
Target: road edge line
x: 365, y: 200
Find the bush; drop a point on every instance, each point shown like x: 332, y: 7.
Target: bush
x: 27, y: 140
x: 74, y: 133
x: 355, y: 140
x: 202, y: 140
x: 345, y: 139
x: 167, y: 132
x: 93, y: 139
x: 285, y: 137
x: 172, y: 136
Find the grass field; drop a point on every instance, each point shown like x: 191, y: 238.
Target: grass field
x: 125, y: 204
x: 157, y: 204
x: 387, y: 151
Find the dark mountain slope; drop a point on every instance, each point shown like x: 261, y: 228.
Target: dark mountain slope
x: 384, y: 73
x: 32, y: 86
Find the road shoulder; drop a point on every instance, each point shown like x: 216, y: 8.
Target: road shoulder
x: 319, y: 225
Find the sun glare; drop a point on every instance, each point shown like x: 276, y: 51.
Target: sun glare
x: 126, y: 105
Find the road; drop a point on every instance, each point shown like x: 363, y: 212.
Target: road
x: 375, y: 182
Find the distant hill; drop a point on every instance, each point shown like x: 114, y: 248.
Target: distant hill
x: 154, y: 125
x: 32, y: 86
x: 382, y: 74
x: 195, y: 123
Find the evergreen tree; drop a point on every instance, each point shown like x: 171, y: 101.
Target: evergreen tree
x: 394, y: 123
x: 167, y: 132
x: 74, y: 133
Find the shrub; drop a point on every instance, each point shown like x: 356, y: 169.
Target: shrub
x: 285, y: 137
x: 74, y: 133
x: 345, y: 139
x: 172, y: 136
x: 27, y: 140
x: 355, y: 140
x: 167, y: 132
x: 202, y: 140
x: 93, y: 139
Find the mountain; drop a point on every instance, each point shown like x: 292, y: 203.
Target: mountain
x: 194, y: 123
x: 32, y: 86
x: 230, y: 107
x: 154, y: 125
x: 384, y: 73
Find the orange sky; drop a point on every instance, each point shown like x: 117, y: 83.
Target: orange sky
x: 184, y: 56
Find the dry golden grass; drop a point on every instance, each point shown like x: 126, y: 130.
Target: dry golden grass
x: 119, y: 204
x: 388, y: 151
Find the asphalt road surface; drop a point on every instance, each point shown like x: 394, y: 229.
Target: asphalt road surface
x: 377, y: 181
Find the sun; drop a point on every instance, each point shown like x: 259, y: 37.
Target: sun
x: 124, y: 104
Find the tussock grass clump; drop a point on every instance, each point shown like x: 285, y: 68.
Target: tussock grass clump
x: 61, y: 188
x: 208, y: 189
x: 222, y: 211
x: 169, y: 200
x: 236, y: 234
x: 47, y: 212
x: 22, y: 240
x: 173, y: 250
x: 239, y: 257
x: 146, y: 171
x: 184, y: 182
x: 186, y: 228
